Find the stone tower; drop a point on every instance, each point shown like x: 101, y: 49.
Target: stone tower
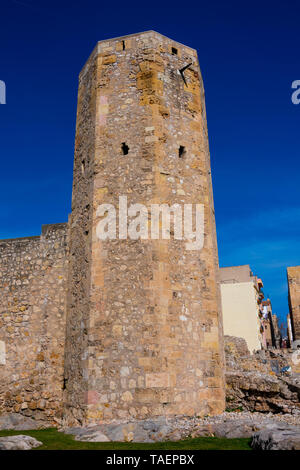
x: 144, y: 327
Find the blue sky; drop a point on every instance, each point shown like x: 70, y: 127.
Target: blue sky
x: 249, y: 57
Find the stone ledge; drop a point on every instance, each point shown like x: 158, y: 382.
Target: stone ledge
x: 20, y: 442
x: 227, y: 425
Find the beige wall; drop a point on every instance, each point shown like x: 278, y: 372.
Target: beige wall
x: 232, y: 274
x: 240, y: 313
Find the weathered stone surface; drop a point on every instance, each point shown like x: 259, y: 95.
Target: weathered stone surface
x: 258, y: 382
x: 93, y: 436
x: 32, y: 324
x: 235, y: 346
x: 18, y: 422
x: 254, y: 391
x: 19, y: 442
x: 276, y: 437
x: 227, y: 425
x: 137, y: 431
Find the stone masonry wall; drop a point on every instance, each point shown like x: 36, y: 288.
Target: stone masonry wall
x: 32, y: 323
x: 144, y: 328
x: 293, y: 274
x: 78, y: 301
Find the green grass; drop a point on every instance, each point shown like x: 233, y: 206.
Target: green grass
x: 54, y: 440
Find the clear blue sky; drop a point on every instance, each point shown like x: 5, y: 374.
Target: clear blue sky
x: 249, y: 56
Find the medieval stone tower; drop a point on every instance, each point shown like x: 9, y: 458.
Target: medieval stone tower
x: 122, y: 328
x: 144, y: 331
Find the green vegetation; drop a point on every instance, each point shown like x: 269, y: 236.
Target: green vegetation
x: 236, y: 410
x: 54, y: 440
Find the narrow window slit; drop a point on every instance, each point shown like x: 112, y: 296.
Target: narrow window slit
x: 125, y: 148
x: 174, y: 51
x: 181, y: 151
x: 123, y: 45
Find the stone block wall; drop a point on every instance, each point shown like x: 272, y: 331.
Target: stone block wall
x: 32, y: 323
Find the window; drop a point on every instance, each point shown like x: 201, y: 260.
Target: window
x: 174, y: 51
x: 123, y: 45
x: 2, y: 353
x: 125, y: 148
x: 181, y: 151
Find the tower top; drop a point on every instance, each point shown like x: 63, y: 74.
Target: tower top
x: 150, y: 32
x: 120, y: 43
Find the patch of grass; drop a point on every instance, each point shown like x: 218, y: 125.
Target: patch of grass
x: 239, y: 409
x: 54, y: 440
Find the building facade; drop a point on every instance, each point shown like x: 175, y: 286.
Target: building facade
x: 241, y: 294
x: 289, y: 331
x: 271, y: 335
x: 277, y: 332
